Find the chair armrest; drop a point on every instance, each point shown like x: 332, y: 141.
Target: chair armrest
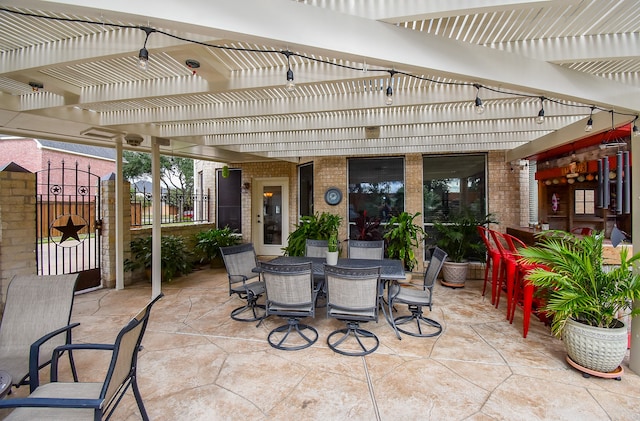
x: 71, y: 347
x: 51, y: 403
x: 34, y: 353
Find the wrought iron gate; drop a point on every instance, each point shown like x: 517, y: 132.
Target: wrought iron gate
x: 68, y: 223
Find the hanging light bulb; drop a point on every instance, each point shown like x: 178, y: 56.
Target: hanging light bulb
x: 540, y: 118
x: 290, y: 85
x: 589, y: 126
x: 389, y: 100
x: 143, y: 59
x: 143, y: 55
x: 479, y: 107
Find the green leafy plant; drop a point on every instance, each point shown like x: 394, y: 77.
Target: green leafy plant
x: 314, y: 227
x: 403, y: 237
x: 332, y: 242
x: 176, y: 259
x: 577, y: 285
x: 458, y: 236
x: 208, y: 242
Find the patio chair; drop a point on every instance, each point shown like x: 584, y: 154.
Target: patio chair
x: 416, y: 299
x: 316, y: 248
x: 88, y: 400
x: 35, y: 321
x: 493, y: 260
x: 361, y: 249
x: 352, y: 296
x: 291, y: 295
x: 240, y: 262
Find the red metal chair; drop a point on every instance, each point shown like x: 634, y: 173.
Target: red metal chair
x: 493, y: 260
x: 507, y: 273
x: 522, y: 293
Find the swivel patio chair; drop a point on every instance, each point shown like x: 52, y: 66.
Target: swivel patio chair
x: 416, y: 299
x: 88, y: 400
x: 35, y: 321
x: 316, y: 248
x: 352, y: 296
x: 360, y: 249
x: 291, y: 295
x: 240, y: 262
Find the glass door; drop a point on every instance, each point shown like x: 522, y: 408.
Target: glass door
x: 270, y: 214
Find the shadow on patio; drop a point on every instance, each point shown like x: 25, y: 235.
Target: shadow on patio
x: 198, y: 364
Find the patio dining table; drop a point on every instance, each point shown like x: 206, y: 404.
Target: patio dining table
x: 390, y: 269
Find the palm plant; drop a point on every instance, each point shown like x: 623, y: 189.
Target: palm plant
x: 577, y: 285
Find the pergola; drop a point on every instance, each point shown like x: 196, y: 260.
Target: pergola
x: 215, y: 84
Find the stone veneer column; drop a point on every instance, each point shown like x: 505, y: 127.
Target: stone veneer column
x: 17, y: 226
x: 109, y: 233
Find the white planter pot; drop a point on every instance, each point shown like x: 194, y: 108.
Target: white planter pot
x: 454, y: 274
x: 598, y: 349
x: 332, y: 258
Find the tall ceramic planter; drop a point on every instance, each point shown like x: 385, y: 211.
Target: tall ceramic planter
x: 598, y: 349
x: 332, y: 258
x: 454, y: 274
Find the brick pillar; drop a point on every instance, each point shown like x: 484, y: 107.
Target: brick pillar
x: 109, y: 234
x: 17, y: 224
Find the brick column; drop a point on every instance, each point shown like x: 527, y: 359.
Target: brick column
x: 17, y: 224
x: 109, y: 234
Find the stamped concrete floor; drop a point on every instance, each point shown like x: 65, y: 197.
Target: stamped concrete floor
x: 198, y: 364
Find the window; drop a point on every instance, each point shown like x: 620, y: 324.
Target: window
x: 452, y: 183
x: 229, y: 203
x: 376, y: 189
x: 584, y: 201
x: 305, y: 189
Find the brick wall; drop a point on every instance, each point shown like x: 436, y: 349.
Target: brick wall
x: 505, y: 202
x: 17, y: 226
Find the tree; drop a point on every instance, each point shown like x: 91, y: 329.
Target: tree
x: 176, y: 174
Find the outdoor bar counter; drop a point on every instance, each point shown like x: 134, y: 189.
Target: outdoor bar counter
x: 610, y: 254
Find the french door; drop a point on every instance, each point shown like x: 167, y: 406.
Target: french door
x: 270, y: 215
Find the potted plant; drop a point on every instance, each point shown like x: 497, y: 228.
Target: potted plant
x: 332, y: 248
x: 584, y: 300
x: 457, y: 235
x: 208, y: 244
x: 313, y: 227
x: 175, y: 260
x: 402, y: 237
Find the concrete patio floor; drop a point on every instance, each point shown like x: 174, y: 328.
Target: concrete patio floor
x: 198, y: 364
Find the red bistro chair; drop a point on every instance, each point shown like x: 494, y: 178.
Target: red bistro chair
x: 523, y: 292
x: 493, y: 260
x: 507, y: 273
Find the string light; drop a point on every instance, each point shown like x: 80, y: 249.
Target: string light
x: 290, y: 85
x: 589, y: 126
x: 389, y: 99
x: 479, y: 106
x: 540, y: 118
x: 143, y: 55
x: 143, y: 62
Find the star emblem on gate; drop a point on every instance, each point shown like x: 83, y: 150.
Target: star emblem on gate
x: 70, y: 230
